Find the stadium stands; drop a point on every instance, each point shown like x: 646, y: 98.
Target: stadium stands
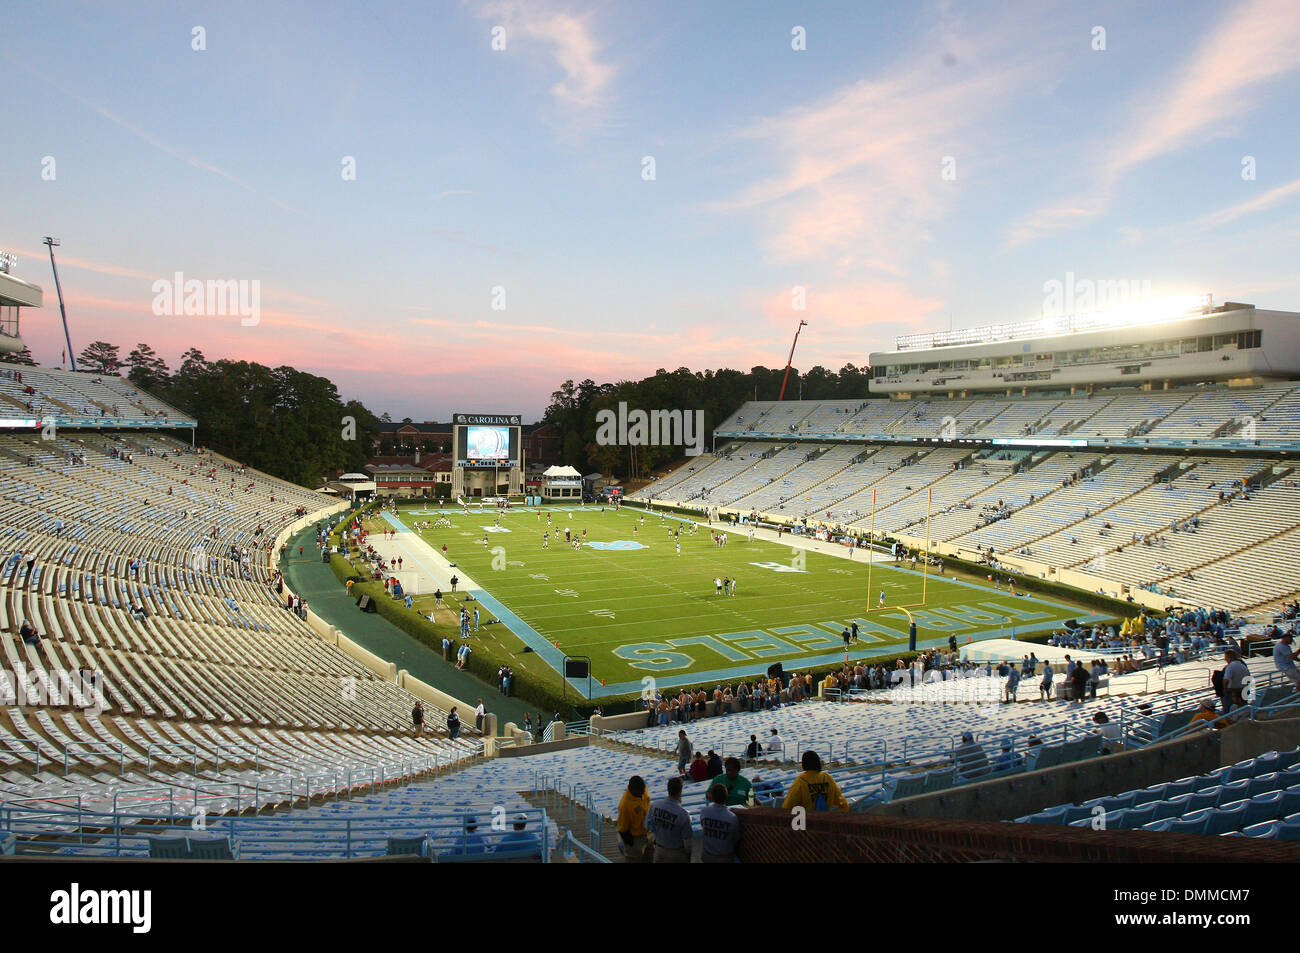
x: 1165, y: 521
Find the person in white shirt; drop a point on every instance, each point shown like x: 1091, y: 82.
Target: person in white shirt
x: 1284, y: 658
x: 1234, y: 681
x: 775, y: 746
x: 479, y: 713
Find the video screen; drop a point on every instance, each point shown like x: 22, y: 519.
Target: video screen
x: 487, y: 443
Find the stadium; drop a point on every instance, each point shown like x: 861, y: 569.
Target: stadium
x: 1019, y: 591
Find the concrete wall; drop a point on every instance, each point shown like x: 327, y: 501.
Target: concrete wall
x: 1021, y: 794
x: 772, y: 835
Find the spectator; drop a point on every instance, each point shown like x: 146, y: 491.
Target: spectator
x: 453, y: 724
x: 1205, y: 713
x: 1008, y: 761
x: 684, y: 749
x: 671, y: 825
x: 753, y: 749
x: 719, y: 828
x: 479, y: 714
x: 1079, y: 679
x: 715, y: 764
x: 633, y: 808
x: 699, y: 769
x: 1235, y: 674
x: 740, y: 793
x: 1108, y: 730
x: 519, y: 839
x: 775, y: 746
x: 470, y: 841
x: 417, y: 717
x: 814, y: 789
x: 1045, y: 686
x: 1284, y: 658
x: 969, y: 758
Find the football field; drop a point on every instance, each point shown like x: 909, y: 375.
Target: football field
x: 637, y: 607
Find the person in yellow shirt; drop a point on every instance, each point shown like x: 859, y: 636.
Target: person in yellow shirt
x: 632, y: 810
x: 829, y: 682
x: 815, y: 790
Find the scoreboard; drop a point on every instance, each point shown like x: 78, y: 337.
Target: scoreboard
x: 487, y: 440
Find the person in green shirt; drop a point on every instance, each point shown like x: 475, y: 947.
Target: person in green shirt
x: 740, y: 793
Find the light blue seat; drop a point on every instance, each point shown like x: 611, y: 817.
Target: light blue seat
x: 1288, y: 829
x: 1193, y: 823
x: 1264, y: 829
x: 1233, y: 791
x: 1133, y: 818
x: 1178, y: 788
x: 1263, y: 807
x: 1169, y: 809
x: 1155, y: 792
x: 1230, y: 817
x: 1290, y: 802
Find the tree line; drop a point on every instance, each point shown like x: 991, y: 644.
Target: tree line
x: 574, y: 407
x: 280, y: 420
x: 294, y: 425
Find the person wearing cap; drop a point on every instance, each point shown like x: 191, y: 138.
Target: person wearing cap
x: 719, y: 829
x: 519, y: 839
x: 969, y: 758
x: 1205, y: 713
x: 470, y: 841
x: 1284, y: 658
x: 814, y: 789
x: 632, y: 810
x: 671, y: 825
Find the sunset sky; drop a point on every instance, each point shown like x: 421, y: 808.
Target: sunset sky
x: 1169, y: 155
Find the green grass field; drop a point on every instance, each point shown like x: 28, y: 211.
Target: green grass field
x: 646, y: 610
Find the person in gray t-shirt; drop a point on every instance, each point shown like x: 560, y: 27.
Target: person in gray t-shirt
x: 684, y: 750
x: 671, y: 826
x: 719, y: 828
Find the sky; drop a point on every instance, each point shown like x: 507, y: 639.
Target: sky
x: 455, y: 206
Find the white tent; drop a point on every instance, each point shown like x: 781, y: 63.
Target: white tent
x: 561, y: 472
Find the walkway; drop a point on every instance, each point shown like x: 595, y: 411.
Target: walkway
x: 314, y: 581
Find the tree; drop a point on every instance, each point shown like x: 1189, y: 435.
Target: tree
x: 100, y: 356
x: 19, y: 357
x: 193, y: 362
x: 148, y: 370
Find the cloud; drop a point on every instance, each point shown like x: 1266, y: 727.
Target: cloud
x: 1252, y: 44
x: 570, y: 43
x: 858, y: 172
x: 1250, y: 206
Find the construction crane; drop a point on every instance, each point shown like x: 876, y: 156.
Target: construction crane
x: 790, y: 360
x: 51, y: 242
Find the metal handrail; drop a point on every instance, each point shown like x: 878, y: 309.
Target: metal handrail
x: 110, y: 745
